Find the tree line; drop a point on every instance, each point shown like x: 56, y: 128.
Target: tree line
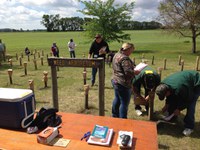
x: 55, y: 23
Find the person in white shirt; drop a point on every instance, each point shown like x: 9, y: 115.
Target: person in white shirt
x: 71, y: 46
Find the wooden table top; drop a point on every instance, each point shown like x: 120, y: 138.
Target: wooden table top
x: 75, y: 125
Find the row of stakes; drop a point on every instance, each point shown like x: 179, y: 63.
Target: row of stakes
x: 86, y: 86
x: 45, y: 75
x: 45, y: 78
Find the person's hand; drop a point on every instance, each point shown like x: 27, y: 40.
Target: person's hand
x: 177, y: 112
x: 136, y: 72
x: 147, y: 98
x: 102, y: 51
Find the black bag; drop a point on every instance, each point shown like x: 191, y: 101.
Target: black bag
x: 46, y: 117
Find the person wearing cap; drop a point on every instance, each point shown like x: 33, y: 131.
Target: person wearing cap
x: 123, y: 74
x: 181, y: 90
x: 98, y: 48
x: 149, y: 79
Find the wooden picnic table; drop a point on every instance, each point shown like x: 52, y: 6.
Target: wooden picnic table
x: 74, y: 126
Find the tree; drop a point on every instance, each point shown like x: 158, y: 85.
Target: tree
x: 47, y: 22
x: 183, y: 17
x: 107, y: 19
x: 51, y: 22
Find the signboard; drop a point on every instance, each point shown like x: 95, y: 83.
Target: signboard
x: 73, y: 62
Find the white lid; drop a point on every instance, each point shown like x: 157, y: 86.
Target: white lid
x: 11, y: 93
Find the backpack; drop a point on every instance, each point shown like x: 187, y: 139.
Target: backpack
x: 149, y: 80
x: 46, y: 117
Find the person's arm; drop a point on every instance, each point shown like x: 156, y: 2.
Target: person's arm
x: 89, y: 56
x: 137, y: 93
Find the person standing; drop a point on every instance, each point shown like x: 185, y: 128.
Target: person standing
x: 149, y: 79
x: 71, y: 46
x: 123, y: 74
x: 2, y: 51
x: 98, y: 48
x: 181, y: 90
x: 55, y: 50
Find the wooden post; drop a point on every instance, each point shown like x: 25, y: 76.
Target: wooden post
x: 42, y: 63
x: 16, y: 56
x: 151, y: 105
x: 28, y: 57
x: 45, y: 78
x: 84, y: 77
x: 101, y: 89
x: 160, y: 72
x: 31, y: 85
x: 179, y: 60
x: 86, y: 89
x: 10, y: 61
x: 25, y: 68
x: 20, y: 61
x: 34, y: 57
x: 152, y: 62
x: 197, y: 64
x: 54, y: 87
x: 10, y: 71
x: 42, y: 53
x: 165, y: 62
x: 38, y: 54
x: 35, y: 63
x: 182, y: 65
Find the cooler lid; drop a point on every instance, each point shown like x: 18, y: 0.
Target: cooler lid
x: 11, y: 94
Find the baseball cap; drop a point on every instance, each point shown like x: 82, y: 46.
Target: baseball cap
x: 161, y: 91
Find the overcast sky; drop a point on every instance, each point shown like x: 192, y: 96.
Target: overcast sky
x: 27, y: 14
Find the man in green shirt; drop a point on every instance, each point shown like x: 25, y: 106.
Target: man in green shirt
x: 149, y: 79
x: 181, y: 90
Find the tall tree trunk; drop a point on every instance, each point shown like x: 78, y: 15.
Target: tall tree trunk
x: 193, y: 41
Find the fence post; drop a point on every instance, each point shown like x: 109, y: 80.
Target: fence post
x: 86, y: 89
x: 10, y: 71
x: 197, y: 63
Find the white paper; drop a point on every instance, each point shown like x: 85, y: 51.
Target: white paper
x: 140, y: 66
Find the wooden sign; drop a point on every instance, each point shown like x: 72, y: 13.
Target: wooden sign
x: 65, y: 62
x: 99, y: 63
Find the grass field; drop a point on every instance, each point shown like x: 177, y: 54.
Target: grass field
x: 70, y: 80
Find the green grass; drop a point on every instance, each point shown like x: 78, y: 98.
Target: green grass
x: 70, y: 80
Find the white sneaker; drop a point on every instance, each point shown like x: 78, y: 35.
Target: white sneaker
x: 187, y: 131
x: 138, y: 112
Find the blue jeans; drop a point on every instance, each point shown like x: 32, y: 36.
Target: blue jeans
x: 94, y: 72
x: 72, y: 54
x: 189, y: 118
x: 121, y: 100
